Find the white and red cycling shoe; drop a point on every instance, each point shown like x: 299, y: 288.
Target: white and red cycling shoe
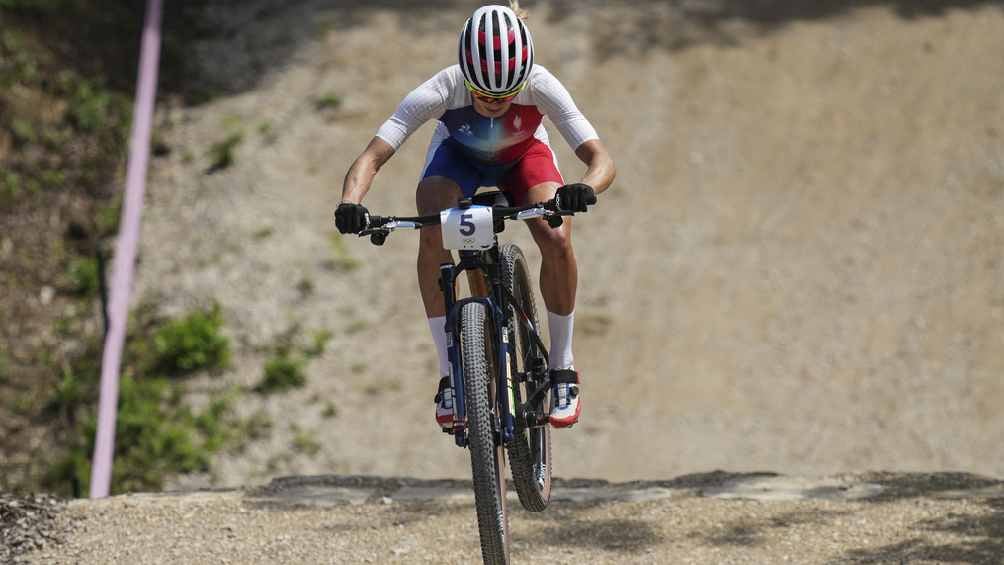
x: 565, y: 407
x: 444, y: 404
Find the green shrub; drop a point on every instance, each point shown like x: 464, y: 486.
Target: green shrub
x: 282, y: 372
x: 84, y: 277
x: 329, y: 101
x: 90, y: 107
x: 330, y: 411
x: 108, y: 217
x: 318, y: 344
x: 4, y: 368
x: 156, y: 436
x: 10, y: 185
x: 190, y: 344
x: 305, y: 442
x: 221, y: 153
x: 23, y: 131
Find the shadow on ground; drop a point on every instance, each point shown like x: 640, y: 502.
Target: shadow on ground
x: 984, y: 546
x: 743, y: 532
x: 984, y: 529
x: 610, y: 535
x: 639, y: 26
x: 249, y: 38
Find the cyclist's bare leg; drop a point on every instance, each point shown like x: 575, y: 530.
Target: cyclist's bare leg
x: 558, y: 282
x: 433, y: 194
x: 558, y: 269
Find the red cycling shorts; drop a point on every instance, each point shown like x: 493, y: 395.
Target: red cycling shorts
x: 536, y: 166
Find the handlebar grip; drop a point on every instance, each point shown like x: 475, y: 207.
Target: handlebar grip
x: 555, y: 221
x: 376, y: 221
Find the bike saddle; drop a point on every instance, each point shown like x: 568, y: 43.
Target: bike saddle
x: 490, y: 198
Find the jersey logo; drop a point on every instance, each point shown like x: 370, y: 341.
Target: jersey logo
x: 517, y: 122
x: 465, y: 129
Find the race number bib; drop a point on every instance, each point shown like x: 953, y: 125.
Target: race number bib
x: 468, y: 228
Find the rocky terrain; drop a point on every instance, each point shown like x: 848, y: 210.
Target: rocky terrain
x: 703, y: 518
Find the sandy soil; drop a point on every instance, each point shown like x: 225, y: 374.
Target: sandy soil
x: 798, y: 268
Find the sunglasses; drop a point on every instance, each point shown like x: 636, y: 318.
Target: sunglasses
x: 486, y: 97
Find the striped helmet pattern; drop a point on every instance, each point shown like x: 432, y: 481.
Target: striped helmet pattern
x: 495, y: 50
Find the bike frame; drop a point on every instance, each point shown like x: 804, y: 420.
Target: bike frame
x: 497, y: 304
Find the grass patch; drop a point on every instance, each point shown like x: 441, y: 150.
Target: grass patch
x: 329, y: 101
x: 157, y: 433
x: 305, y: 287
x: 4, y: 368
x: 156, y: 436
x: 304, y: 442
x: 329, y: 411
x: 285, y: 368
x: 221, y: 153
x: 342, y: 261
x: 318, y: 343
x: 357, y: 326
x: 282, y: 372
x: 193, y: 343
x: 84, y: 276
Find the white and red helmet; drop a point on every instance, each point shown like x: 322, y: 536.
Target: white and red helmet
x: 503, y: 68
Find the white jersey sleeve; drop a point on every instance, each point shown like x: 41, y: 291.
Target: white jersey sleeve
x: 554, y: 101
x: 425, y: 103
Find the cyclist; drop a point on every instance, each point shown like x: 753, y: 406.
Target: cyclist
x: 489, y: 109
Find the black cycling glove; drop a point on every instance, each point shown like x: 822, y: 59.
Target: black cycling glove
x: 351, y: 218
x: 576, y: 197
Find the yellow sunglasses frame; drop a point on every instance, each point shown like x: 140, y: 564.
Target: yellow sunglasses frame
x: 512, y: 93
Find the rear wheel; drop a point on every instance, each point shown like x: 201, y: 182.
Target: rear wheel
x: 530, y: 449
x: 487, y: 452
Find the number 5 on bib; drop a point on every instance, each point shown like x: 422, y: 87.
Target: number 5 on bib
x: 468, y: 228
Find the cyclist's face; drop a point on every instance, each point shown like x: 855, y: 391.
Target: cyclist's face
x: 491, y: 107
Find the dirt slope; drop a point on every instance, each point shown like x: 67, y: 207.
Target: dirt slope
x: 798, y: 269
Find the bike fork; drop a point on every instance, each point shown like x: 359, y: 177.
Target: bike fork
x: 447, y: 281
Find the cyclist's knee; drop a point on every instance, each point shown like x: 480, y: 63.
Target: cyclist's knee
x: 554, y: 241
x: 435, y: 194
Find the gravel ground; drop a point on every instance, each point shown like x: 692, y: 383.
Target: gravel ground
x: 711, y: 518
x: 29, y: 523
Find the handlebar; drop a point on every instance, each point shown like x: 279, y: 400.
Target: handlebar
x: 379, y: 227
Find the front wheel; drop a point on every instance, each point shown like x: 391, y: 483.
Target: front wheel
x: 530, y: 449
x: 487, y: 451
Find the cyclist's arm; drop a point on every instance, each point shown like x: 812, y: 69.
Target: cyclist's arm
x: 360, y: 176
x: 555, y: 101
x: 600, y: 169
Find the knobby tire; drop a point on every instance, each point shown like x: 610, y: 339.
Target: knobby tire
x: 530, y: 450
x: 487, y: 453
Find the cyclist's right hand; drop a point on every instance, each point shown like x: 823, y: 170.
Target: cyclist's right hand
x: 351, y: 217
x: 576, y: 197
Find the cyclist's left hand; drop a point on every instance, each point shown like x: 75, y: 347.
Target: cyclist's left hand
x: 575, y: 197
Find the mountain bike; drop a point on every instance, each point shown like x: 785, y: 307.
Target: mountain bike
x: 498, y: 362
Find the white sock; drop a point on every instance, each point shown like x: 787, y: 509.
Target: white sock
x: 437, y: 326
x: 560, y: 329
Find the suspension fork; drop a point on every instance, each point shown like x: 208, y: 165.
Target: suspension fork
x: 448, y: 284
x: 505, y: 398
